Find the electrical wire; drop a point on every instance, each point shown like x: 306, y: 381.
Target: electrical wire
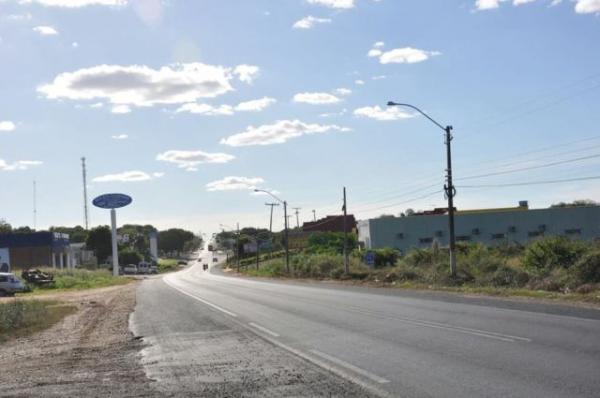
x: 536, y: 182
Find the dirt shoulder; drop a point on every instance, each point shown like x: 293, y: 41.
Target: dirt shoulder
x: 89, y: 354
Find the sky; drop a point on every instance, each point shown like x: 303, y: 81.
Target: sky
x: 188, y: 106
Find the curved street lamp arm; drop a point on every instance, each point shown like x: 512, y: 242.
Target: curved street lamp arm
x: 269, y: 193
x: 391, y: 103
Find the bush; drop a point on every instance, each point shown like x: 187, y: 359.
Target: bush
x: 386, y: 257
x: 587, y: 269
x: 553, y: 252
x: 129, y: 256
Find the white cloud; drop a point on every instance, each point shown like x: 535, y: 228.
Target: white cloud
x: 406, y: 55
x: 587, y: 6
x: 141, y: 85
x: 256, y: 105
x: 7, y: 125
x: 359, y: 82
x: 45, y: 30
x: 377, y: 113
x: 487, y: 4
x: 343, y: 91
x: 310, y: 21
x: 158, y: 175
x: 246, y: 73
x: 126, y: 176
x: 374, y: 52
x: 277, y: 133
x: 379, y: 77
x: 316, y: 98
x: 119, y: 137
x: 189, y: 160
x: 19, y: 17
x: 521, y: 2
x: 18, y: 165
x: 76, y: 3
x: 334, y: 114
x: 206, y: 109
x: 344, y: 4
x: 232, y: 183
x: 121, y: 109
x: 379, y: 44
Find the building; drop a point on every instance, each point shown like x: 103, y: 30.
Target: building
x: 488, y: 226
x: 330, y: 224
x: 36, y: 249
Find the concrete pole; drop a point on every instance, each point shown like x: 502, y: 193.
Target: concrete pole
x: 115, y: 249
x: 61, y: 260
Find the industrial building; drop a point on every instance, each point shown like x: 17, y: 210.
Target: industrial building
x: 37, y: 249
x: 487, y: 226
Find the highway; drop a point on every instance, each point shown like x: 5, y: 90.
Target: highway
x: 378, y: 342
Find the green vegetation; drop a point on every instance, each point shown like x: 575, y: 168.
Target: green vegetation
x: 166, y: 265
x: 81, y: 279
x: 552, y: 267
x: 23, y: 317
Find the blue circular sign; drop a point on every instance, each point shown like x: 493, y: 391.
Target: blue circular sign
x: 112, y: 201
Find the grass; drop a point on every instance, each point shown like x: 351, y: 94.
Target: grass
x: 20, y: 318
x: 167, y: 265
x: 78, y: 279
x: 481, y: 271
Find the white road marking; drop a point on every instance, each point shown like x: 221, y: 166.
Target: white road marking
x: 353, y: 368
x: 216, y: 307
x: 264, y: 329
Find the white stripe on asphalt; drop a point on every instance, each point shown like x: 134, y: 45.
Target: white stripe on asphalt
x: 264, y: 329
x: 353, y: 368
x: 216, y: 307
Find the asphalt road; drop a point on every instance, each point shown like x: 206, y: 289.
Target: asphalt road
x: 385, y: 342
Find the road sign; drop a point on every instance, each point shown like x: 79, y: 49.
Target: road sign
x: 112, y: 201
x: 370, y: 259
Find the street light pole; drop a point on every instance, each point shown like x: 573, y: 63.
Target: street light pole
x: 287, y: 249
x: 449, y: 188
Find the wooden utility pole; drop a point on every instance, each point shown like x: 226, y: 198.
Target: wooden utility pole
x: 346, y: 263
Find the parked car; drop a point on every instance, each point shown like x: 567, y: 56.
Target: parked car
x: 181, y: 262
x: 153, y: 269
x: 10, y: 284
x: 130, y: 269
x: 143, y: 268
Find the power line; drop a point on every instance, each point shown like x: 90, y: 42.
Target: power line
x: 538, y: 182
x: 529, y: 168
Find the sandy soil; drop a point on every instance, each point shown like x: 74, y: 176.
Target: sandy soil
x: 90, y: 354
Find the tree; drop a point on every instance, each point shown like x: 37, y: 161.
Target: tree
x: 4, y: 226
x: 576, y: 203
x: 99, y: 240
x: 173, y: 240
x: 77, y: 234
x: 129, y: 256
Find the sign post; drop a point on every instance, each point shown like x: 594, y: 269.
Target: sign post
x: 113, y: 201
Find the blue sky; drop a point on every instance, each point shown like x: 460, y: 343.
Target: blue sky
x: 188, y: 105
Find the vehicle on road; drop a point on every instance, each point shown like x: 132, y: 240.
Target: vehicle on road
x: 143, y: 268
x: 153, y: 269
x: 215, y: 259
x: 182, y: 262
x: 130, y: 269
x: 204, y: 267
x: 10, y: 284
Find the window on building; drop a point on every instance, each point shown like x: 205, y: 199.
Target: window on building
x: 542, y: 227
x: 475, y: 231
x: 400, y: 235
x: 512, y: 229
x: 463, y: 238
x: 498, y: 236
x: 533, y: 234
x: 3, y: 278
x: 574, y: 231
x: 426, y: 240
x: 439, y: 234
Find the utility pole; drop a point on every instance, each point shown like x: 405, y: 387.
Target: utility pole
x: 34, y: 205
x: 257, y: 250
x: 449, y: 188
x: 85, y: 200
x: 314, y: 215
x: 237, y: 247
x: 297, y: 219
x: 271, y: 220
x: 346, y: 264
x: 287, y: 247
x: 450, y: 192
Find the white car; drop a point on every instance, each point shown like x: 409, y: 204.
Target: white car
x: 130, y: 269
x: 143, y: 268
x: 10, y: 284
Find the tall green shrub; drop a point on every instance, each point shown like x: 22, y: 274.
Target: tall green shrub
x: 553, y: 252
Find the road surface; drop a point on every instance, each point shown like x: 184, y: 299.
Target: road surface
x: 382, y: 342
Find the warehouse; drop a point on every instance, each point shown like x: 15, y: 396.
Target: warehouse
x: 37, y: 249
x: 488, y: 226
